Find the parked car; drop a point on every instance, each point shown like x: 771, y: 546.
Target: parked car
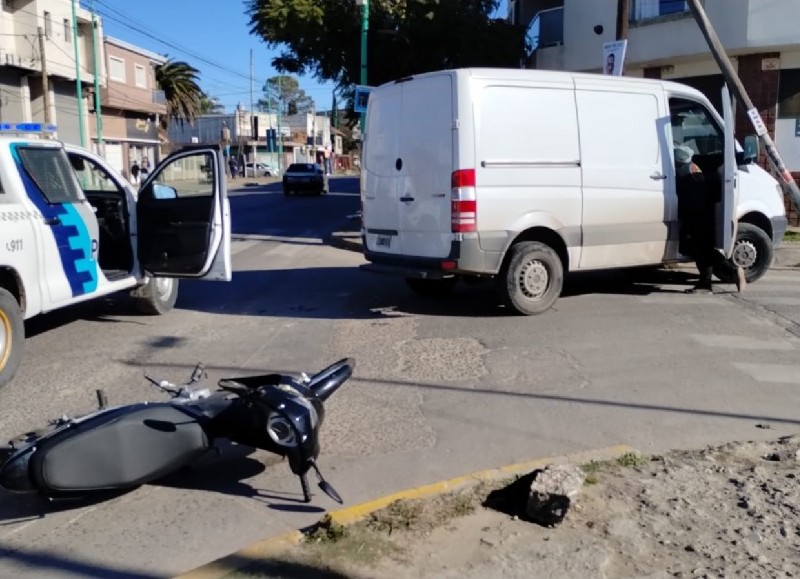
x: 262, y: 170
x: 305, y: 177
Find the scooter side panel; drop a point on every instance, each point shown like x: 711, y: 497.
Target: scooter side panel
x: 119, y: 449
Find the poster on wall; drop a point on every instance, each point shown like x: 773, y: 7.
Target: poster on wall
x: 361, y: 98
x: 614, y: 57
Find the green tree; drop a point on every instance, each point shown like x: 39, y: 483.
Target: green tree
x: 178, y: 80
x: 322, y: 37
x: 208, y: 105
x: 284, y: 90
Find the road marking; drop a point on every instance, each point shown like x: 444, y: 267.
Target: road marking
x: 741, y: 342
x: 786, y: 277
x: 238, y: 246
x: 777, y: 373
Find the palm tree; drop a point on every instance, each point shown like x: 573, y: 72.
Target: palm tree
x: 209, y: 105
x: 178, y: 80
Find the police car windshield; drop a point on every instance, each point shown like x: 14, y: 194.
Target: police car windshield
x: 49, y: 168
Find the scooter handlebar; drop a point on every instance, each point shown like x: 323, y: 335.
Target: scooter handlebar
x: 327, y: 381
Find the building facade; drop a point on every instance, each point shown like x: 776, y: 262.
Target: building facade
x: 664, y: 41
x: 131, y: 106
x: 38, y: 40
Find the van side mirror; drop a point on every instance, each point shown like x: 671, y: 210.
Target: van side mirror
x: 751, y: 148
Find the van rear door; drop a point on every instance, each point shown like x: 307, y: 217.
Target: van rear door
x: 425, y: 165
x: 379, y: 181
x: 726, y: 221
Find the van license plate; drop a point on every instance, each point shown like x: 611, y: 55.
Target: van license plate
x: 384, y: 241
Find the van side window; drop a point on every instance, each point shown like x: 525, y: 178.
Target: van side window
x: 694, y: 127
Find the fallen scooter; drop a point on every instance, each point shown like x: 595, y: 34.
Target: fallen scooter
x: 122, y: 447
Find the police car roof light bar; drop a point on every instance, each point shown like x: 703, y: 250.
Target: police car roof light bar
x: 17, y: 128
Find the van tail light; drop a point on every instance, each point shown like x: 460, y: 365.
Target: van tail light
x: 463, y: 202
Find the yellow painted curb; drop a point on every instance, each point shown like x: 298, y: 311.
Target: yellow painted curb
x: 348, y: 515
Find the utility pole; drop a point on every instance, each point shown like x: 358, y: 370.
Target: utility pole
x: 280, y: 129
x: 78, y: 88
x: 45, y: 79
x: 623, y: 18
x: 98, y: 115
x: 739, y: 92
x: 253, y: 123
x: 364, y: 36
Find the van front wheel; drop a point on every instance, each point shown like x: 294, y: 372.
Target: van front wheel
x: 531, y: 279
x: 752, y: 250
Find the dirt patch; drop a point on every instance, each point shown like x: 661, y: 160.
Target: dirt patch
x: 727, y: 511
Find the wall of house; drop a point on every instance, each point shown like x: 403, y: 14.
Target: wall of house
x: 11, y: 97
x: 126, y: 93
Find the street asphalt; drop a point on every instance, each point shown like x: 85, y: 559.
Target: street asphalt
x: 441, y: 388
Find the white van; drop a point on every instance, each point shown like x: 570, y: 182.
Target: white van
x: 523, y: 175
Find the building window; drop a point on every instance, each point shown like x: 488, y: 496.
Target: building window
x: 48, y: 25
x: 141, y: 75
x: 116, y: 69
x: 67, y: 31
x: 644, y: 9
x: 789, y: 94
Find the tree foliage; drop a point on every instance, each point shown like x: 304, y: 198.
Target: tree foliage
x: 209, y: 105
x: 284, y: 91
x: 178, y: 80
x: 323, y: 37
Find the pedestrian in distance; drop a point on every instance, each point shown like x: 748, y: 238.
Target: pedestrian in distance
x: 233, y: 167
x: 144, y: 167
x: 697, y: 199
x: 135, y: 173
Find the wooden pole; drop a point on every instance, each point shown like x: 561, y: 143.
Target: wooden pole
x: 45, y: 79
x: 623, y: 18
x: 740, y: 93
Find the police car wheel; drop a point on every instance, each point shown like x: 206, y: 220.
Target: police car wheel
x: 157, y: 297
x: 12, y: 336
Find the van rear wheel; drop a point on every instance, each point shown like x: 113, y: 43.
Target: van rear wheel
x: 432, y: 288
x: 531, y: 279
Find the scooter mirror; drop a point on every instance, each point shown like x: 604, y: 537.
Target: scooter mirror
x: 326, y: 488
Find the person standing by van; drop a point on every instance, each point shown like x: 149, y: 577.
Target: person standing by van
x: 696, y: 206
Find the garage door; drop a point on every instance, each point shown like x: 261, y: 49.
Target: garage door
x: 114, y: 156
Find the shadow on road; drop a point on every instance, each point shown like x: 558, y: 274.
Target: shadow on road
x: 349, y: 293
x: 68, y: 566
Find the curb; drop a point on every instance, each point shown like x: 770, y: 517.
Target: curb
x: 347, y: 240
x: 279, y: 543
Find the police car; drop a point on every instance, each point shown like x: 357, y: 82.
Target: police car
x: 73, y: 229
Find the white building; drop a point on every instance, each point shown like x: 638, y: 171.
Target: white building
x: 25, y: 27
x: 664, y: 41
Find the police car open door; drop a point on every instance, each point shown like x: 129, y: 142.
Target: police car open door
x: 726, y: 214
x: 183, y: 217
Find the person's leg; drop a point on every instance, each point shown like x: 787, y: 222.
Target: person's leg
x: 713, y: 258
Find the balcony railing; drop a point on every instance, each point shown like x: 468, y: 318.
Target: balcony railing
x: 647, y: 9
x: 546, y: 29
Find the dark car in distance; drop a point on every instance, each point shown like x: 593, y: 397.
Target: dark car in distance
x: 300, y: 177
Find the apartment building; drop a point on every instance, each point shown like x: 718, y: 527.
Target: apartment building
x: 36, y: 37
x: 131, y: 105
x: 762, y: 38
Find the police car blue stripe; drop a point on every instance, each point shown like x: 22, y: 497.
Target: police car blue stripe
x: 71, y: 237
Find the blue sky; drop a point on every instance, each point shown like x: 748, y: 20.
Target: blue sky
x: 211, y: 35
